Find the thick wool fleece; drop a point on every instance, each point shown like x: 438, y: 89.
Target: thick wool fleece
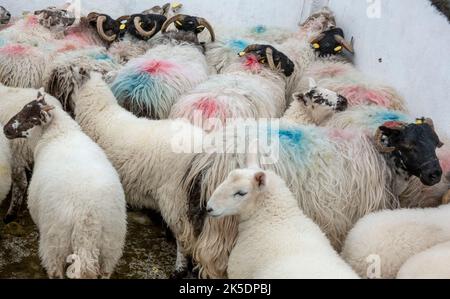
x: 393, y: 237
x: 5, y: 166
x: 277, y: 241
x: 87, y: 223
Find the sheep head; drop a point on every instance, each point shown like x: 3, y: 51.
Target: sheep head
x: 5, y: 16
x: 331, y: 42
x: 144, y: 26
x: 270, y: 56
x: 53, y: 17
x: 107, y: 28
x: 34, y: 114
x: 192, y: 24
x: 167, y: 10
x: 413, y: 147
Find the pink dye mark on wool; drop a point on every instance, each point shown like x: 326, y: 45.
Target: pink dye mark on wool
x: 251, y: 63
x: 329, y: 71
x: 341, y: 134
x: 32, y: 21
x: 444, y: 157
x: 359, y: 95
x: 14, y: 49
x: 155, y: 67
x: 77, y: 37
x: 67, y: 48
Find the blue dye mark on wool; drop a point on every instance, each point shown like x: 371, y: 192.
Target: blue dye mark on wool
x: 2, y: 42
x: 238, y: 45
x: 101, y: 56
x: 260, y: 29
x: 387, y: 116
x: 291, y: 136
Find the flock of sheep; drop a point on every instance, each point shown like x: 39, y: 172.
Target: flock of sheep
x: 92, y: 106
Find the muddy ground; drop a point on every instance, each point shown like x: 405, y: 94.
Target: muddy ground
x: 150, y: 251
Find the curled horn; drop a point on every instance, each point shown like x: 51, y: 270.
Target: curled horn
x: 270, y: 61
x: 317, y: 39
x: 379, y: 143
x: 170, y: 21
x: 141, y: 31
x: 208, y: 26
x: 100, y: 21
x: 430, y: 122
x: 344, y: 43
x: 446, y: 199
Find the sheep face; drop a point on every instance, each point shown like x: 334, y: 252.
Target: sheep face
x: 52, y: 17
x: 238, y: 193
x: 269, y: 56
x: 320, y: 104
x: 30, y: 118
x: 413, y: 149
x: 143, y: 26
x: 189, y: 24
x: 107, y: 28
x: 5, y: 16
x: 331, y: 42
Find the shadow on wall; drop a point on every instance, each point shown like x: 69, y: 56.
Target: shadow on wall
x: 443, y: 6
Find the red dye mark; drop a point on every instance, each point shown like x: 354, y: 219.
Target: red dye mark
x: 67, y: 47
x: 330, y: 71
x: 14, y: 49
x: 340, y: 134
x: 251, y: 63
x: 207, y: 106
x: 154, y: 67
x: 444, y: 157
x: 32, y: 21
x: 358, y: 95
x: 392, y: 124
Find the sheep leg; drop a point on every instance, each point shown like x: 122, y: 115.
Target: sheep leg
x: 181, y: 265
x: 19, y: 190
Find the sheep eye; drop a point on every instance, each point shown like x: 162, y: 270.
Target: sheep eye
x: 240, y: 194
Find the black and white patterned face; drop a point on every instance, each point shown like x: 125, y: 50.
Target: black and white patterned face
x: 53, y: 17
x: 5, y: 16
x: 317, y: 96
x: 34, y: 114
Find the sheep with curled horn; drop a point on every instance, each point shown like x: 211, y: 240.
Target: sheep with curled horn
x: 149, y: 85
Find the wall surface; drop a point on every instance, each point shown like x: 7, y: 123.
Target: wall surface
x: 404, y: 43
x: 285, y: 13
x: 413, y: 42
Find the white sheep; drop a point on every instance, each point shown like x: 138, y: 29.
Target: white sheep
x: 251, y: 87
x: 276, y: 240
x: 380, y: 244
x: 75, y: 195
x: 429, y: 264
x: 143, y: 151
x: 12, y: 100
x: 5, y: 166
x: 149, y: 85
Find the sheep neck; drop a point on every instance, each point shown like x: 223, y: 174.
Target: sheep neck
x: 402, y: 178
x: 296, y: 114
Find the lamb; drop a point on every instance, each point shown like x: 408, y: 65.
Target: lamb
x: 12, y: 101
x: 391, y: 238
x: 142, y: 151
x: 149, y: 86
x: 252, y: 87
x: 5, y: 167
x: 84, y: 226
x: 301, y: 161
x: 276, y: 240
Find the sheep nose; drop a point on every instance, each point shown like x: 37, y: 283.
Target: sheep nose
x: 209, y: 210
x: 342, y: 104
x: 435, y: 176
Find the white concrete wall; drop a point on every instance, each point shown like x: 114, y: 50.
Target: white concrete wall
x: 413, y: 41
x: 285, y: 13
x: 409, y: 36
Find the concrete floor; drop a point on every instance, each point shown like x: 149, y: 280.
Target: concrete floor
x: 149, y: 254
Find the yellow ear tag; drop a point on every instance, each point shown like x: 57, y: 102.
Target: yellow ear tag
x: 316, y: 46
x: 176, y: 5
x: 338, y: 48
x: 419, y: 121
x: 179, y: 23
x: 241, y: 54
x: 123, y: 27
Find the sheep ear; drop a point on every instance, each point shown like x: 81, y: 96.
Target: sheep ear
x: 261, y: 179
x: 312, y: 83
x: 298, y: 96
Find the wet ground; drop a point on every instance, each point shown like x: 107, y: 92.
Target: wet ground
x: 150, y: 251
